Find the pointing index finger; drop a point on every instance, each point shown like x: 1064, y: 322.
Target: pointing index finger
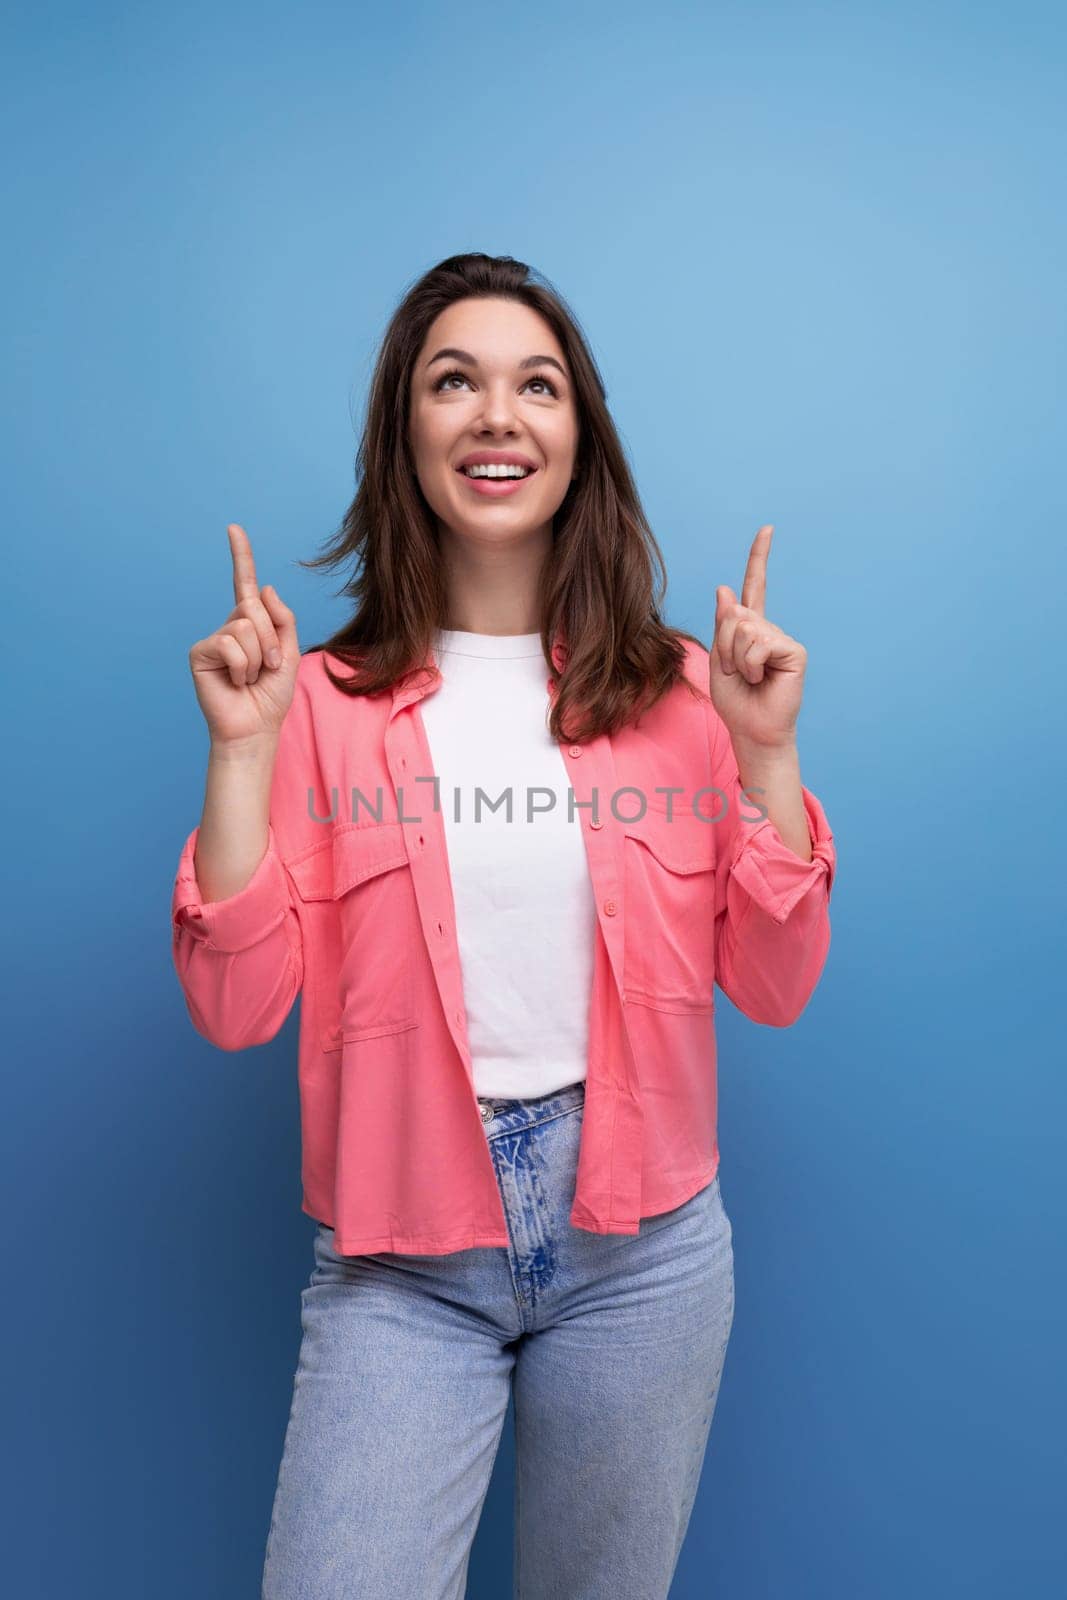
x: 754, y: 590
x: 245, y: 586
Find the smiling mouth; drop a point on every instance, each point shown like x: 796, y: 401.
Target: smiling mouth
x: 496, y: 488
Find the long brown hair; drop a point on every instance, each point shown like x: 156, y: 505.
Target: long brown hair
x: 603, y: 581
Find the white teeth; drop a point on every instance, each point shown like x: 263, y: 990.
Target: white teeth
x: 496, y: 472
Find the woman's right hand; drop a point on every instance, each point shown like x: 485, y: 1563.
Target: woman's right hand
x: 243, y: 696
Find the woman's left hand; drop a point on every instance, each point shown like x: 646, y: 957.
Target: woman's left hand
x: 756, y: 671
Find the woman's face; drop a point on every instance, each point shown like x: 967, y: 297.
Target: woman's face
x: 489, y: 399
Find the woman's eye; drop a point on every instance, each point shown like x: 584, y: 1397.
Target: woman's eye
x: 455, y: 373
x: 447, y: 377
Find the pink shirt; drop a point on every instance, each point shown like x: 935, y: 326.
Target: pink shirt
x: 356, y: 915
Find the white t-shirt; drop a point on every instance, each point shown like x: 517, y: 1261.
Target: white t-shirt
x: 525, y: 916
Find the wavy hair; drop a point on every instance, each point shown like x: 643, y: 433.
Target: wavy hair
x: 603, y: 580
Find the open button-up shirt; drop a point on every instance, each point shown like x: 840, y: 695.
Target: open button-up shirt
x: 351, y: 908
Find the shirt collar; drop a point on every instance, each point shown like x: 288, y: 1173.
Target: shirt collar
x: 423, y: 680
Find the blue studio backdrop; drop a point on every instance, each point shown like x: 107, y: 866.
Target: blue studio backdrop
x: 818, y: 250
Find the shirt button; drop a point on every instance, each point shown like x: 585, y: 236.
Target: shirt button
x: 575, y: 750
x: 593, y: 823
x: 610, y: 908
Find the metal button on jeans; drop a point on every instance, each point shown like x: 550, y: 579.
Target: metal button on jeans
x: 487, y: 1113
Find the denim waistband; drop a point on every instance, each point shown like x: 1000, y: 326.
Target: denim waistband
x: 510, y: 1115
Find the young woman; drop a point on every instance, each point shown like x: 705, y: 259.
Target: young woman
x: 495, y: 833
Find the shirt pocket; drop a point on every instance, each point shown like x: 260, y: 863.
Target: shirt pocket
x: 362, y: 917
x: 669, y: 885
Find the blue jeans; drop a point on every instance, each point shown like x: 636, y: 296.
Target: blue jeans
x: 613, y: 1345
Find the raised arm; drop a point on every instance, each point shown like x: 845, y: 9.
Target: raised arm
x: 774, y: 872
x: 235, y: 932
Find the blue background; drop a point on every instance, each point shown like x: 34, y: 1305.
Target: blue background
x: 819, y: 252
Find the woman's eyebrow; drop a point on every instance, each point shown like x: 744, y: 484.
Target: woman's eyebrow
x: 451, y: 354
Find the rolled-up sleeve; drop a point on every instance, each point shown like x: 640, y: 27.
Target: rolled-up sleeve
x: 772, y: 908
x: 239, y: 960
